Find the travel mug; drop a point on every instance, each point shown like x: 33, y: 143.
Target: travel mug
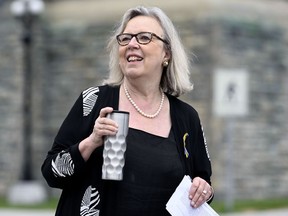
x: 115, y: 147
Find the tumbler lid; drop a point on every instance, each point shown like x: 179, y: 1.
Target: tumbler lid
x: 119, y: 111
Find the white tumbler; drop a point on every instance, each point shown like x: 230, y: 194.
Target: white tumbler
x: 115, y: 147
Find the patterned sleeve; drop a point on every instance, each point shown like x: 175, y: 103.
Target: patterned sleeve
x: 63, y: 165
x: 202, y: 163
x: 64, y: 160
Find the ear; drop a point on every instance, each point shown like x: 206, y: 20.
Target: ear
x: 167, y: 55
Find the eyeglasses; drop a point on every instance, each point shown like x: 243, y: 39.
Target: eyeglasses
x: 141, y: 37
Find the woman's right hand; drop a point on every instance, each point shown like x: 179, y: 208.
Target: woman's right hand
x: 103, y: 127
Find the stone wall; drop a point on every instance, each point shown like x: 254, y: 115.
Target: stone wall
x: 259, y: 153
x: 10, y: 100
x: 70, y: 56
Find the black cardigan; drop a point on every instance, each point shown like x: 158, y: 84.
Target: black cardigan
x: 80, y: 181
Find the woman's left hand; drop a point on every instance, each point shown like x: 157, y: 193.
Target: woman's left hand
x: 199, y: 192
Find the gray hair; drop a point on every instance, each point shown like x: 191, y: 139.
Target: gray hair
x: 176, y: 77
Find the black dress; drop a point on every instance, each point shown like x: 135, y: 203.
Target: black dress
x: 152, y: 168
x: 152, y: 172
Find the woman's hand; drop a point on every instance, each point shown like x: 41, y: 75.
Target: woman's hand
x: 200, y: 191
x: 103, y: 127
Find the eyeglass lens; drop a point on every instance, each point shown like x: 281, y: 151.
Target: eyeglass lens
x: 142, y: 38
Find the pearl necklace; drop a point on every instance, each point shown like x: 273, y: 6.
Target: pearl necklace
x: 139, y: 110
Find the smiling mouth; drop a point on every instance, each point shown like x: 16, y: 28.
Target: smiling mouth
x: 134, y: 59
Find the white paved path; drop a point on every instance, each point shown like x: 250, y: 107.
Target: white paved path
x: 24, y: 212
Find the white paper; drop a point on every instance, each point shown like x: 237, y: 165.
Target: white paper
x: 179, y: 203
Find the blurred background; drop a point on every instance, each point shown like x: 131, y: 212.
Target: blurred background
x: 239, y: 50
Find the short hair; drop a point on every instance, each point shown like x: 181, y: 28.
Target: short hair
x: 175, y: 78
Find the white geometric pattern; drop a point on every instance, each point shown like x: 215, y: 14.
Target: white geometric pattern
x: 89, y: 99
x: 89, y: 202
x: 63, y: 165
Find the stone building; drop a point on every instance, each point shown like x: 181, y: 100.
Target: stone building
x: 248, y: 153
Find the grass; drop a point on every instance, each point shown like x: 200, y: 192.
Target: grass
x: 49, y: 204
x: 251, y: 205
x: 218, y: 206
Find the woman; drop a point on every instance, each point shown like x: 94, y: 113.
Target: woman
x: 148, y: 71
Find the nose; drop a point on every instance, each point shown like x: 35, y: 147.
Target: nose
x: 133, y: 43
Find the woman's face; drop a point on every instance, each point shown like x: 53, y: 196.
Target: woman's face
x: 137, y: 60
